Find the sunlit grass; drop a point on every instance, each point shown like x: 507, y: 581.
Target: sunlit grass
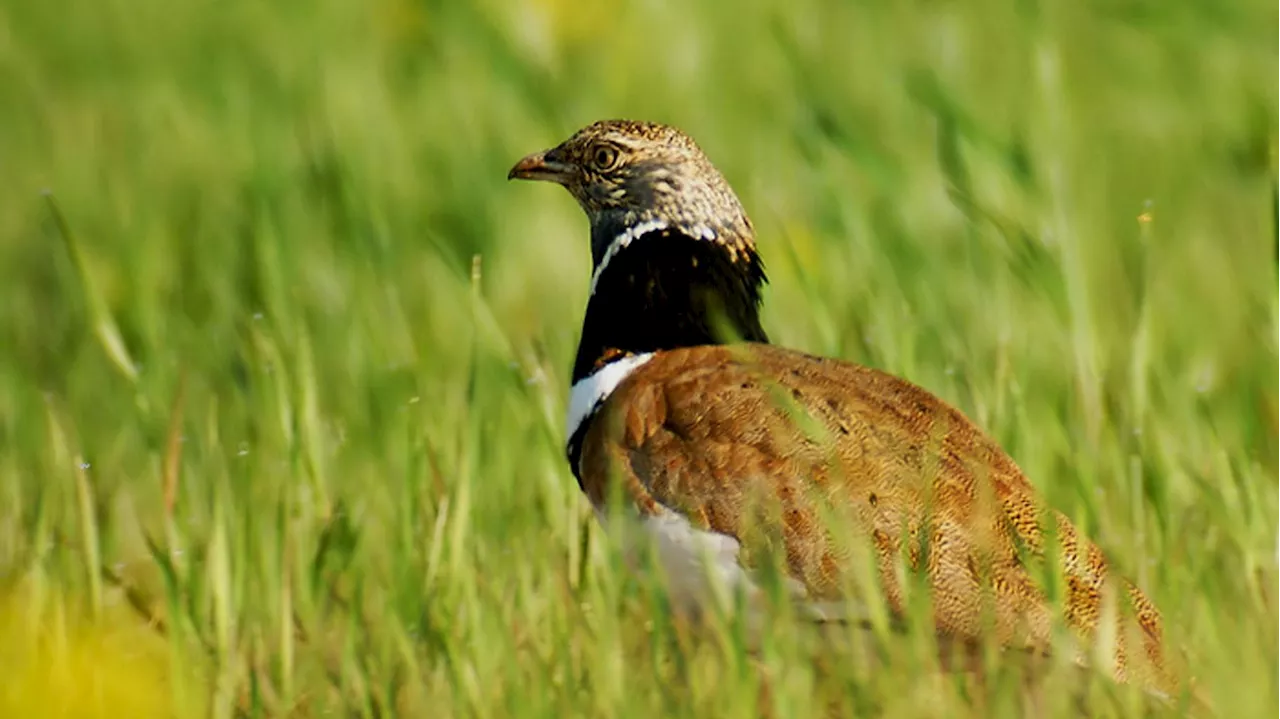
x: 285, y: 357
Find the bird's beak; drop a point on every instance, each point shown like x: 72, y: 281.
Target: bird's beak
x: 543, y: 165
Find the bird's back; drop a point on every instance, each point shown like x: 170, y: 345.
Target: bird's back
x: 813, y: 460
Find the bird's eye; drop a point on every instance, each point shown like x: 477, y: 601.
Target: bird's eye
x: 604, y: 157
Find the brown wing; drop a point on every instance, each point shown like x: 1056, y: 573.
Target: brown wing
x: 778, y: 448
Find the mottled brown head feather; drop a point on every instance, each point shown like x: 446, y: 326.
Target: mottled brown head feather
x: 627, y: 174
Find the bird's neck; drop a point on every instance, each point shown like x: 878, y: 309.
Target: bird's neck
x: 664, y: 290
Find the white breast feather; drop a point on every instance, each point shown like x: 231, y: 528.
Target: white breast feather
x: 590, y: 391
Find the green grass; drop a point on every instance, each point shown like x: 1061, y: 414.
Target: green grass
x: 284, y: 358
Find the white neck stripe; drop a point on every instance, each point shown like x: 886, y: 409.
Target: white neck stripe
x: 701, y: 232
x: 591, y: 391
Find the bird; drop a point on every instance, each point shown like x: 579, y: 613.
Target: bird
x: 731, y: 455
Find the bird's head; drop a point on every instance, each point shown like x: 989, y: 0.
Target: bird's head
x: 628, y: 175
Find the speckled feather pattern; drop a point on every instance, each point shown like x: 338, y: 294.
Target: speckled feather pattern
x: 764, y: 444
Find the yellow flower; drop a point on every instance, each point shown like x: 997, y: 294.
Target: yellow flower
x: 57, y: 664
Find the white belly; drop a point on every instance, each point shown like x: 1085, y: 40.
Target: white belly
x: 701, y: 570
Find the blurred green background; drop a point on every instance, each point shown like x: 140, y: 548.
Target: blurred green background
x: 284, y: 358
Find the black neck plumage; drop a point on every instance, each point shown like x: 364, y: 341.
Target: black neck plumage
x: 666, y: 290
